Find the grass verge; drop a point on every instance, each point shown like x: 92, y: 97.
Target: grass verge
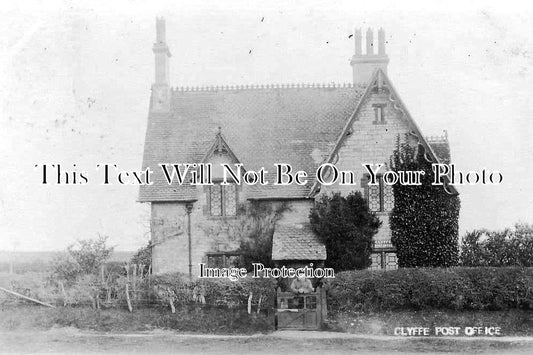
x: 512, y: 322
x: 219, y: 320
x: 212, y: 320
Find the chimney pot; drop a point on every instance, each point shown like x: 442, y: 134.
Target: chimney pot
x: 162, y: 53
x: 364, y: 65
x: 161, y: 88
x: 369, y: 42
x: 381, y: 42
x: 357, y: 37
x: 160, y: 30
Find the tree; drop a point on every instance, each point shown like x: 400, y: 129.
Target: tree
x: 85, y: 257
x: 508, y: 247
x: 256, y: 232
x: 473, y: 252
x: 346, y: 226
x: 424, y: 220
x: 90, y: 254
x: 143, y: 256
x: 523, y: 243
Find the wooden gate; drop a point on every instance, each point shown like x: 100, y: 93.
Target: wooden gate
x: 306, y: 311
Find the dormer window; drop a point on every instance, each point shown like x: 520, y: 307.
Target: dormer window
x: 379, y: 111
x: 223, y: 200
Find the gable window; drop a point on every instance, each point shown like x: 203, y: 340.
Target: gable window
x: 380, y: 197
x: 223, y: 200
x: 379, y: 112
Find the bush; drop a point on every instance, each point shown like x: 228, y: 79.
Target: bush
x: 346, y: 226
x: 215, y: 292
x: 85, y: 257
x: 143, y: 256
x: 415, y: 289
x: 510, y: 247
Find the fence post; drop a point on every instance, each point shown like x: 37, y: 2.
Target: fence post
x: 171, y: 301
x: 130, y: 308
x: 62, y: 287
x: 250, y: 303
x: 259, y: 303
x: 26, y: 297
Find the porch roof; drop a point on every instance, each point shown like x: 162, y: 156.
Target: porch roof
x: 297, y: 242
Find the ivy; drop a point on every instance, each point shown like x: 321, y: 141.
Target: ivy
x: 257, y: 230
x: 425, y: 218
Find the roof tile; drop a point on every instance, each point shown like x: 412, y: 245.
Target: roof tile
x: 294, y: 125
x: 297, y: 242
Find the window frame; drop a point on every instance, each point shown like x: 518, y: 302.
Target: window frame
x: 225, y: 256
x: 381, y: 192
x: 223, y: 193
x: 379, y: 113
x: 382, y: 258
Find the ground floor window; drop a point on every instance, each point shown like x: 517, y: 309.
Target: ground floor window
x: 384, y: 260
x: 223, y: 259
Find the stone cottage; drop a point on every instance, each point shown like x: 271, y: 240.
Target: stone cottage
x: 258, y: 126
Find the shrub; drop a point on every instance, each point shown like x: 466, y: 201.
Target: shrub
x: 510, y: 247
x: 216, y: 292
x: 346, y: 226
x: 85, y: 257
x: 80, y: 273
x: 457, y: 288
x: 143, y: 256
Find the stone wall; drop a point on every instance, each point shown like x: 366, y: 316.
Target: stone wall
x: 370, y: 142
x: 169, y: 231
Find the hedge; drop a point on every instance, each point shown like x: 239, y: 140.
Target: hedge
x: 215, y: 292
x: 459, y: 288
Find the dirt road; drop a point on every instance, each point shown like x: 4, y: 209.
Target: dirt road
x: 70, y: 340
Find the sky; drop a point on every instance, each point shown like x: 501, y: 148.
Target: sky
x: 75, y: 85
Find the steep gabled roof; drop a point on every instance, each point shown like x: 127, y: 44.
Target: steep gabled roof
x: 380, y: 81
x: 297, y: 125
x: 303, y: 126
x: 220, y: 145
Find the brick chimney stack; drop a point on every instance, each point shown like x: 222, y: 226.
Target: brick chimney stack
x: 364, y: 65
x: 162, y: 53
x: 161, y: 87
